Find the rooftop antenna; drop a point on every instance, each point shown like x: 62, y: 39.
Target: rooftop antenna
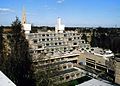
x: 23, y: 16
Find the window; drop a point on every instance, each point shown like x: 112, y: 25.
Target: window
x: 65, y: 48
x: 74, y: 37
x: 39, y: 51
x: 58, y: 38
x: 83, y: 42
x: 70, y: 39
x: 59, y: 43
x: 87, y: 48
x: 74, y: 48
x: 52, y: 60
x: 78, y: 38
x: 39, y: 46
x: 65, y: 35
x: 47, y: 39
x: 52, y: 49
x: 67, y: 77
x: 64, y: 67
x: 43, y: 34
x: 51, y: 39
x: 75, y: 43
x: 78, y: 74
x: 43, y: 39
x: 47, y: 44
x: 35, y: 41
x: 55, y: 43
x: 47, y: 34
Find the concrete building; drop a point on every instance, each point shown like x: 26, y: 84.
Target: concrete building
x: 65, y: 50
x: 60, y: 48
x: 98, y: 61
x: 117, y: 70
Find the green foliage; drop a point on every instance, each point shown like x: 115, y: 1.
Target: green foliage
x: 18, y: 65
x: 84, y: 37
x: 1, y: 47
x: 106, y: 38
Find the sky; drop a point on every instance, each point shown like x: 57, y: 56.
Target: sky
x: 80, y: 13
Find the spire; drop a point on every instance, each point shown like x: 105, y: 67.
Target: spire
x: 23, y: 16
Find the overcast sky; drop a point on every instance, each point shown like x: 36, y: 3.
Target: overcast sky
x: 72, y: 12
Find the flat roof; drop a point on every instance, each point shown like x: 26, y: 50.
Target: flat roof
x: 5, y: 81
x: 64, y: 72
x: 94, y: 82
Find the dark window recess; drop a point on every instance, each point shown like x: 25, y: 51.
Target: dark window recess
x: 35, y: 41
x: 47, y: 44
x: 101, y: 68
x: 52, y: 49
x: 47, y: 34
x: 78, y: 38
x: 51, y: 39
x: 64, y: 67
x: 70, y: 39
x: 43, y: 34
x: 39, y: 51
x: 91, y: 65
x: 55, y: 43
x: 47, y: 39
x: 83, y: 42
x: 36, y: 63
x: 39, y: 46
x: 78, y: 74
x: 74, y: 48
x: 59, y: 43
x: 74, y: 43
x: 67, y: 77
x: 74, y: 61
x: 43, y: 39
x: 74, y: 37
x: 58, y: 38
x: 52, y: 60
x: 65, y: 35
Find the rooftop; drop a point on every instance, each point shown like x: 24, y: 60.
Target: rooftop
x: 5, y: 81
x: 95, y: 82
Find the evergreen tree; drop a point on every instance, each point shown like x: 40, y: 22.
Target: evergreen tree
x: 1, y: 47
x: 18, y: 66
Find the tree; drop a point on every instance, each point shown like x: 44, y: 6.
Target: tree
x: 1, y: 47
x: 84, y: 37
x: 18, y: 65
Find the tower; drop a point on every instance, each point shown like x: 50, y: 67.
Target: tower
x: 26, y: 27
x: 23, y: 16
x: 59, y: 27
